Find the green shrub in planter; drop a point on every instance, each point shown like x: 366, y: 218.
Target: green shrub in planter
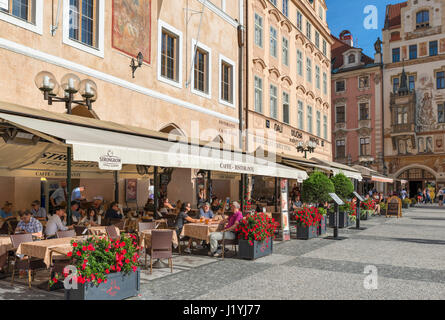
x: 316, y: 188
x: 343, y: 186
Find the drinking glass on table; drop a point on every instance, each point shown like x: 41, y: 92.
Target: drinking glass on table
x: 207, y: 221
x: 201, y: 219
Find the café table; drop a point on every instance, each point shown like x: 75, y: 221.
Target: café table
x: 47, y: 249
x: 200, y: 231
x: 100, y: 231
x: 5, y: 246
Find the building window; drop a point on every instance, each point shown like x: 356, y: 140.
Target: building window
x: 201, y: 71
x: 169, y: 55
x: 317, y: 77
x: 300, y: 63
x: 258, y: 94
x: 273, y: 101
x: 441, y: 113
x: 300, y: 115
x: 413, y: 52
x: 402, y: 115
x: 395, y: 85
x: 412, y: 83
x: 83, y: 21
x: 340, y: 86
x: 351, y: 58
x: 422, y: 19
x: 308, y: 30
x: 273, y: 42
x: 258, y: 30
x: 440, y: 80
x: 285, y: 52
x: 286, y: 7
x: 433, y: 48
x: 317, y: 39
x: 285, y: 107
x: 274, y: 2
x: 363, y: 82
x: 320, y: 12
x: 365, y: 147
x: 396, y: 55
x: 340, y: 149
x: 364, y: 111
x: 22, y: 9
x: 325, y: 83
x: 340, y: 114
x: 309, y: 119
x: 318, y: 124
x: 324, y: 47
x: 325, y: 127
x: 309, y: 70
x: 299, y: 21
x: 227, y: 88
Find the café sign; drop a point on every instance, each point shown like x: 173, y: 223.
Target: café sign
x: 110, y: 162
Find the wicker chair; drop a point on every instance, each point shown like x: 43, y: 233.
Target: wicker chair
x: 161, y: 247
x: 229, y: 242
x: 66, y: 234
x: 112, y: 233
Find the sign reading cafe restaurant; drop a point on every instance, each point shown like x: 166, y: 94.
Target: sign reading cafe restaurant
x: 110, y: 162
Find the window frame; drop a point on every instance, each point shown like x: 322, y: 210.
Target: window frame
x: 336, y: 114
x: 260, y: 29
x: 36, y: 27
x: 309, y: 70
x: 300, y: 120
x: 100, y: 32
x: 286, y: 102
x: 410, y: 51
x: 441, y: 79
x: 336, y: 87
x: 170, y: 29
x: 261, y: 90
x: 299, y: 21
x: 325, y: 83
x: 318, y: 123
x: 343, y: 145
x: 395, y: 54
x: 317, y: 77
x: 309, y: 119
x: 325, y: 127
x: 285, y: 51
x: 273, y: 39
x: 227, y: 61
x: 273, y: 99
x: 367, y: 108
x: 366, y: 145
x: 441, y: 109
x: 201, y: 47
x: 300, y: 63
x: 435, y: 48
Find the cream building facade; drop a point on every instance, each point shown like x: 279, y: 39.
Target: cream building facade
x: 288, y: 76
x: 188, y: 82
x: 414, y: 101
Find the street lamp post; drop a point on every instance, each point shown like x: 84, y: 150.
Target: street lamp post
x: 69, y: 86
x: 305, y: 147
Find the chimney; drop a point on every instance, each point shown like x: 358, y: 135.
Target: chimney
x: 346, y: 37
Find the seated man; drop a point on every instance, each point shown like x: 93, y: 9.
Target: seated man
x: 55, y: 223
x: 29, y: 224
x: 37, y: 211
x: 113, y: 212
x: 205, y: 211
x: 182, y: 219
x: 6, y: 210
x: 228, y: 231
x: 75, y: 211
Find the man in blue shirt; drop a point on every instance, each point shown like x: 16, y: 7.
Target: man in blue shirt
x: 6, y: 211
x: 37, y: 211
x: 59, y: 195
x: 29, y: 224
x: 205, y: 211
x: 77, y: 194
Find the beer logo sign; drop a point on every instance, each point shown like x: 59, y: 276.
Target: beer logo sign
x: 110, y: 162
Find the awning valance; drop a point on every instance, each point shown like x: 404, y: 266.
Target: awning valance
x: 111, y: 149
x: 340, y: 168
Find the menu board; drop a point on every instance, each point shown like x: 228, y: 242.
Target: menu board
x: 359, y: 197
x: 394, y: 207
x: 284, y: 209
x: 336, y: 199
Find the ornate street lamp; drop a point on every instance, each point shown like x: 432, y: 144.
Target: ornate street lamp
x: 70, y: 85
x: 305, y: 147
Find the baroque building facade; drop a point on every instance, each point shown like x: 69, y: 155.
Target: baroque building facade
x: 414, y: 103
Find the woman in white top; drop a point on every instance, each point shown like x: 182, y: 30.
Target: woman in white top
x: 90, y: 218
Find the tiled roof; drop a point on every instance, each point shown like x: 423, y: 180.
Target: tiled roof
x: 393, y: 15
x: 337, y: 50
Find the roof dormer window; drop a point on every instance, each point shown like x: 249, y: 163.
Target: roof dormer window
x: 351, y: 58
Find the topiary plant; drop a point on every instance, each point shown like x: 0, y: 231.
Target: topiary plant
x: 316, y: 188
x: 343, y: 186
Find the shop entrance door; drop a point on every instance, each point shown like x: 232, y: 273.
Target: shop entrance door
x: 414, y: 186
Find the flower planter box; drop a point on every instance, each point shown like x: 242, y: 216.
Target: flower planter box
x: 306, y: 233
x: 343, y: 220
x: 323, y: 228
x: 258, y: 250
x: 119, y: 286
x: 364, y: 215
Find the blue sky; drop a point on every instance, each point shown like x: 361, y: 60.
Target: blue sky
x: 348, y: 15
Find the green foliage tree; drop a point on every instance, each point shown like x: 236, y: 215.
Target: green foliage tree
x: 343, y: 186
x: 316, y: 188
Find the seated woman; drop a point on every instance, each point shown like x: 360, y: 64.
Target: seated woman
x: 182, y: 219
x: 90, y: 218
x: 167, y: 204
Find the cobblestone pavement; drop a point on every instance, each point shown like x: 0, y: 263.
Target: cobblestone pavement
x: 408, y: 254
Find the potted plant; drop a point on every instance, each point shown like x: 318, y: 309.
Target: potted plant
x: 308, y: 220
x: 406, y: 203
x: 322, y: 227
x: 383, y: 207
x: 316, y: 188
x: 367, y: 209
x: 343, y: 186
x: 413, y: 202
x: 106, y: 269
x: 255, y: 234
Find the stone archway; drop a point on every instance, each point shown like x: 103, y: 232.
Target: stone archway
x: 173, y: 129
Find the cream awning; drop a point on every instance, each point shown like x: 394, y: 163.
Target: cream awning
x: 340, y: 168
x: 111, y: 149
